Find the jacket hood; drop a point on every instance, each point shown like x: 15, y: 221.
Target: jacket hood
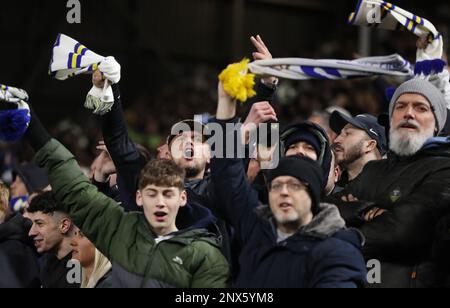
x: 188, y: 236
x: 317, y: 132
x: 436, y: 143
x: 329, y: 223
x: 195, y: 216
x: 326, y: 223
x: 15, y: 228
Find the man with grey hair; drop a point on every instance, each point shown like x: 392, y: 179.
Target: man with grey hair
x: 396, y: 203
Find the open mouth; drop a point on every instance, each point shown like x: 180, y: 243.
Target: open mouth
x: 285, y: 206
x: 189, y: 153
x: 409, y: 126
x: 160, y: 216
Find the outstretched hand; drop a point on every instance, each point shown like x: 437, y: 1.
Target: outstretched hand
x: 262, y: 53
x: 98, y: 80
x: 422, y: 42
x: 261, y: 112
x: 111, y: 69
x: 103, y: 165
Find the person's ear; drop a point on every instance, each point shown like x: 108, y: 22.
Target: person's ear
x: 139, y: 199
x: 183, y: 198
x: 337, y: 174
x: 371, y: 145
x: 65, y: 225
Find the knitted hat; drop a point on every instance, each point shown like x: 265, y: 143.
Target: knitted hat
x: 315, y: 136
x: 430, y: 92
x: 306, y: 171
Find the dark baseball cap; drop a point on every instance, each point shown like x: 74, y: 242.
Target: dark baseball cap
x: 34, y: 178
x: 187, y: 126
x: 366, y: 122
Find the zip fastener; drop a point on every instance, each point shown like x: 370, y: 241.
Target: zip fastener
x: 150, y: 263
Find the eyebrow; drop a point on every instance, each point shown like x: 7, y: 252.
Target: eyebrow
x: 414, y: 103
x: 155, y: 190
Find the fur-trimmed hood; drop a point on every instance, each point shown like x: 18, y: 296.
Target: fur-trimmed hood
x: 327, y: 223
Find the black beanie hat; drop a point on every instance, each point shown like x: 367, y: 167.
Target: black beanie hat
x: 317, y: 138
x: 306, y: 171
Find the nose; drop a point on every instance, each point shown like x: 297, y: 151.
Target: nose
x: 409, y: 113
x: 33, y: 232
x: 300, y: 152
x: 338, y: 140
x: 160, y: 201
x: 284, y: 190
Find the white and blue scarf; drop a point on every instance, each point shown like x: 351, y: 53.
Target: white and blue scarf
x: 71, y: 58
x: 303, y: 69
x: 393, y: 17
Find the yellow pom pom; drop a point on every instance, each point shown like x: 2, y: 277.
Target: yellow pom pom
x: 237, y: 81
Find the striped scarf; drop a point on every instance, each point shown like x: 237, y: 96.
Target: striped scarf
x: 71, y: 58
x: 429, y: 65
x: 14, y: 113
x: 12, y: 95
x: 303, y: 69
x: 392, y: 17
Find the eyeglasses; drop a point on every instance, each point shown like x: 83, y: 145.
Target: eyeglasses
x: 291, y: 187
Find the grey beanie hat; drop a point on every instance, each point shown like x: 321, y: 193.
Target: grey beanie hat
x: 430, y: 92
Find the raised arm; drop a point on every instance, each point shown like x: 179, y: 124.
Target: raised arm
x: 127, y: 159
x: 98, y: 216
x: 229, y: 178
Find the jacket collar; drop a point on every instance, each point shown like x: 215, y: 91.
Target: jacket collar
x: 324, y: 224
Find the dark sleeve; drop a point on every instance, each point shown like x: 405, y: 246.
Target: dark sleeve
x: 36, y: 133
x: 104, y: 188
x: 263, y: 93
x: 351, y: 212
x: 235, y: 193
x: 408, y: 229
x: 342, y: 266
x: 18, y: 266
x: 127, y: 159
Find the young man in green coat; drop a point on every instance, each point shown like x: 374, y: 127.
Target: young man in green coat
x: 146, y: 249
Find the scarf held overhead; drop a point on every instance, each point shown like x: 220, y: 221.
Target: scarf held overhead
x: 303, y: 69
x: 71, y: 58
x: 384, y: 15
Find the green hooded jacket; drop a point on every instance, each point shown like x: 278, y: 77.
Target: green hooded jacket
x: 189, y: 259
